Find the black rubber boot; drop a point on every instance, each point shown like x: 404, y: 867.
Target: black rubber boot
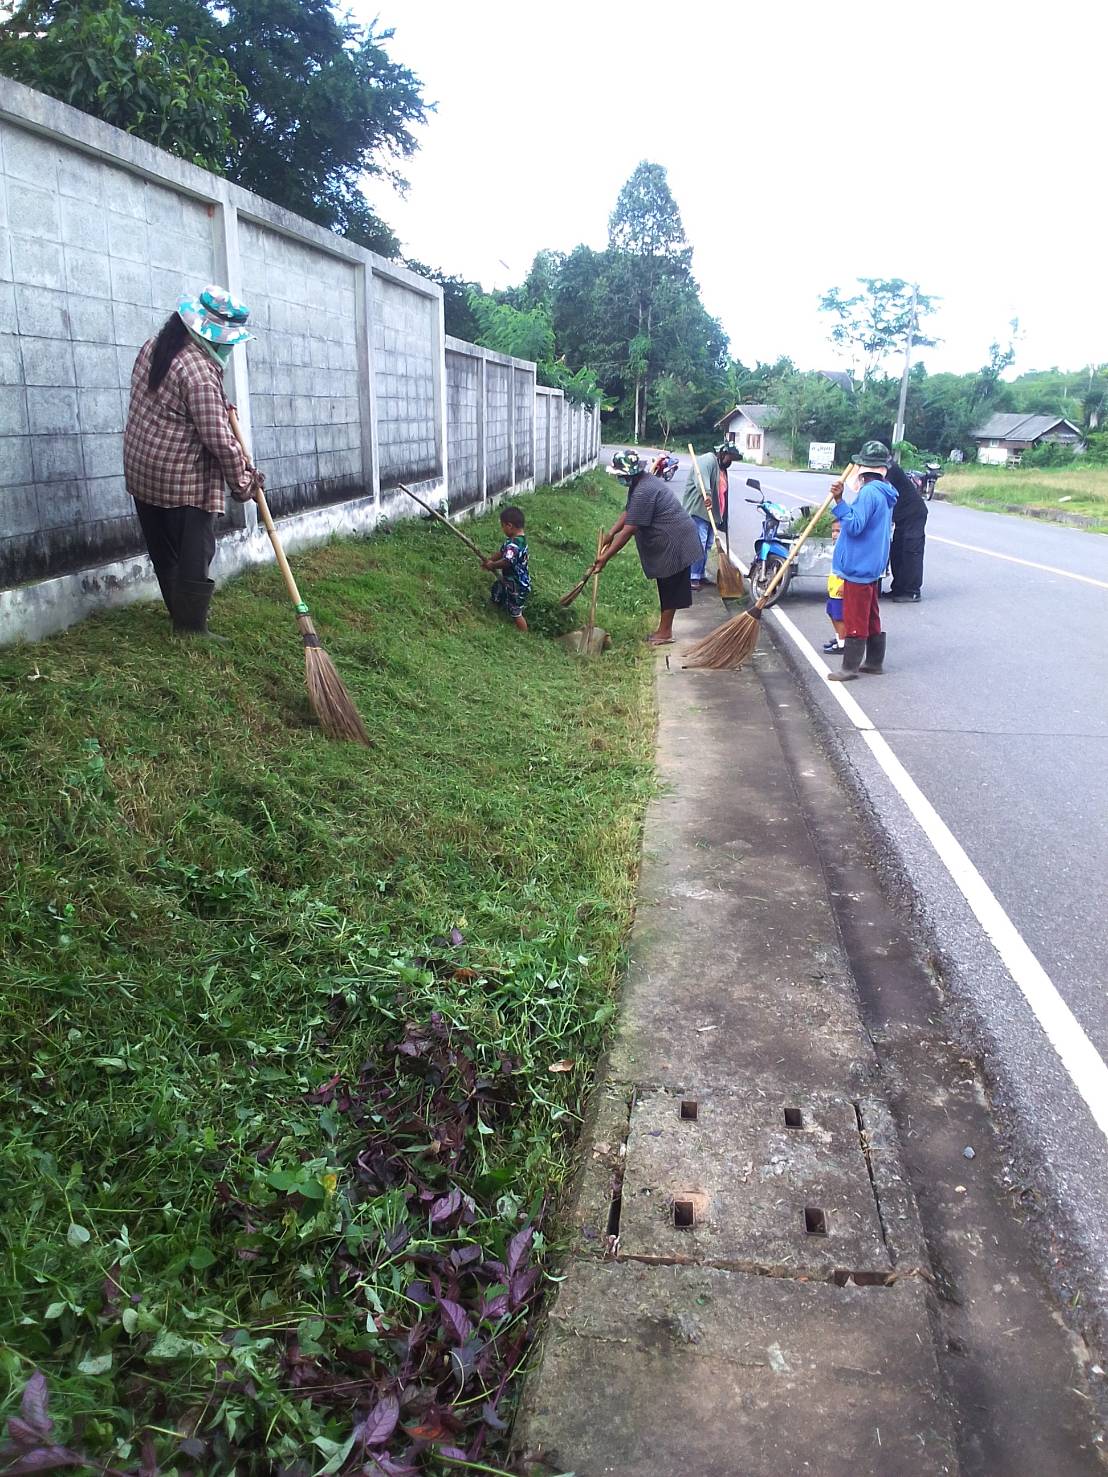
x: 875, y: 654
x: 852, y: 660
x: 191, y: 602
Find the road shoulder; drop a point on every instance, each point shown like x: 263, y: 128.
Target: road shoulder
x: 748, y: 1289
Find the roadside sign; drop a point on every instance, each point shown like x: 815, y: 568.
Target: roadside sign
x: 821, y: 455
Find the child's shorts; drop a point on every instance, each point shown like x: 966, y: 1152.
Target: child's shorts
x: 835, y: 609
x: 513, y: 599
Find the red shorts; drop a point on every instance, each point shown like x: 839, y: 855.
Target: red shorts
x: 861, y: 609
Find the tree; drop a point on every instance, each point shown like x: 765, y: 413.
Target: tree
x: 318, y: 103
x: 645, y: 229
x: 809, y: 407
x: 327, y: 105
x: 127, y: 70
x: 1094, y: 401
x: 872, y: 323
x: 674, y: 403
x: 523, y: 333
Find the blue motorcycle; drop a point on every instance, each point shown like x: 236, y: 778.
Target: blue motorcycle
x: 781, y: 526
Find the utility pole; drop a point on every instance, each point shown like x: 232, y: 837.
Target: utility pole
x: 898, y: 429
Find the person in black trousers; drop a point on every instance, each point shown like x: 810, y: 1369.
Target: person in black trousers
x: 909, y: 537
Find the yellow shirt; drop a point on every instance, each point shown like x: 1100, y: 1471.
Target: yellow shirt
x: 834, y: 587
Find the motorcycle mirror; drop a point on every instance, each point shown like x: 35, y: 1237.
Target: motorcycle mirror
x: 753, y: 482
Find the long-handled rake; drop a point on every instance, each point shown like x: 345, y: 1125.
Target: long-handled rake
x: 453, y: 527
x: 732, y: 643
x: 731, y: 585
x: 327, y: 694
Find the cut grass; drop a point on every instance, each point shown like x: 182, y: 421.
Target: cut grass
x: 270, y: 1001
x: 1004, y: 489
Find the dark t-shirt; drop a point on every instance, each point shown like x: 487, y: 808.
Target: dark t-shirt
x: 910, y: 506
x: 666, y: 536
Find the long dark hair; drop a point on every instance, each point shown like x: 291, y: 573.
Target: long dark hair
x: 168, y: 344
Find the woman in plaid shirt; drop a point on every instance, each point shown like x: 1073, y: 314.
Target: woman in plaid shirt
x: 179, y: 449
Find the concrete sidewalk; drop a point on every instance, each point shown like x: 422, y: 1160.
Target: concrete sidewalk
x: 748, y: 1288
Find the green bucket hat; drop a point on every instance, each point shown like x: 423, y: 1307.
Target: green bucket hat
x: 873, y: 454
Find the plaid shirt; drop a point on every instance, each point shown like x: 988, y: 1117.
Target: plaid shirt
x: 178, y: 448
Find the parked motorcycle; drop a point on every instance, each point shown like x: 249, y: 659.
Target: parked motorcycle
x: 665, y: 467
x: 780, y: 527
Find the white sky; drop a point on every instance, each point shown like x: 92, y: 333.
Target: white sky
x: 981, y: 124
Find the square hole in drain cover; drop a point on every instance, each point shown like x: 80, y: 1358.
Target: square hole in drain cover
x: 754, y: 1179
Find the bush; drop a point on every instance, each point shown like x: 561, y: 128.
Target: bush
x: 1048, y: 454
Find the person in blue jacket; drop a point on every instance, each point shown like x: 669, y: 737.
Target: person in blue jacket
x: 861, y: 557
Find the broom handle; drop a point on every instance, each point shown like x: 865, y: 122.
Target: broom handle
x: 267, y: 519
x: 595, y: 587
x: 434, y: 512
x: 795, y: 550
x: 707, y: 499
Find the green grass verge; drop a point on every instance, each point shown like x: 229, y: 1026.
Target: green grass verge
x: 1081, y: 490
x: 279, y: 1014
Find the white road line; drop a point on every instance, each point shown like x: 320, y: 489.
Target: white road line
x: 1080, y: 1058
x: 937, y: 538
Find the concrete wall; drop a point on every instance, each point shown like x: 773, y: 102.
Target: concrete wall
x: 350, y: 387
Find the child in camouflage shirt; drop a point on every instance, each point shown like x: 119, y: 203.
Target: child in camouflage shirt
x: 513, y: 584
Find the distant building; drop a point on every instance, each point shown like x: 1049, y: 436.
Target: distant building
x: 1004, y: 437
x: 750, y: 429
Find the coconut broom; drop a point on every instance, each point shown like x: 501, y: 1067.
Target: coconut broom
x: 731, y: 585
x: 733, y: 643
x: 571, y: 595
x: 327, y: 694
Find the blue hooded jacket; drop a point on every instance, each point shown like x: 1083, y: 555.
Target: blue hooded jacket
x: 865, y: 533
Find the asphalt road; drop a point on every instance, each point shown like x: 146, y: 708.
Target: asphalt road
x: 995, y: 701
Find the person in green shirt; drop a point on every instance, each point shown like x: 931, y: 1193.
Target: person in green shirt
x: 713, y: 470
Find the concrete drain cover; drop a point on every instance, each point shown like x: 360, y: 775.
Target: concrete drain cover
x: 750, y: 1182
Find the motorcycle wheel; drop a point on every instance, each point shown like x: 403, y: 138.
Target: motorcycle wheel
x: 762, y: 573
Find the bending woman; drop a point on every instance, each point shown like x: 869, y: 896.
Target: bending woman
x: 666, y: 536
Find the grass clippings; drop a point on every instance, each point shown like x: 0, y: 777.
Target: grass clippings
x: 296, y: 1034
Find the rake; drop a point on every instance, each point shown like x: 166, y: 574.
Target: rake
x: 446, y: 523
x: 327, y: 694
x: 734, y: 642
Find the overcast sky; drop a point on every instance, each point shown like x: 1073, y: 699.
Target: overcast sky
x: 967, y: 140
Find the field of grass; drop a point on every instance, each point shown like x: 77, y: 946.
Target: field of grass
x: 296, y: 1035
x: 1081, y: 490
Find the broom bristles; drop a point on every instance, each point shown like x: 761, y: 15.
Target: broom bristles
x: 331, y: 703
x: 731, y: 585
x: 571, y: 595
x: 729, y: 645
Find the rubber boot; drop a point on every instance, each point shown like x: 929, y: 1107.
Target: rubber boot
x: 852, y: 660
x: 875, y: 654
x: 191, y: 602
